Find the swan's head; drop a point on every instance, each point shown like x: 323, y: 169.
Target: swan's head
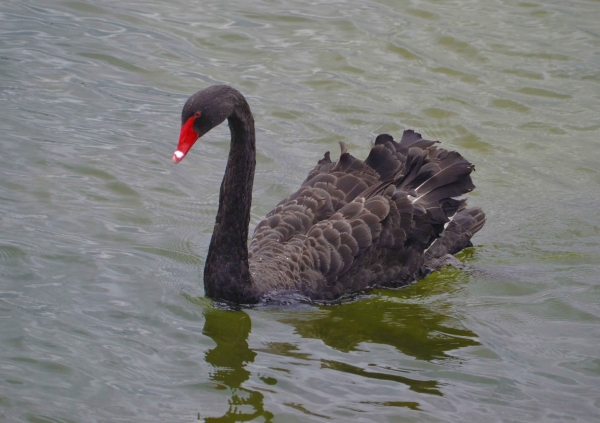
x: 202, y: 112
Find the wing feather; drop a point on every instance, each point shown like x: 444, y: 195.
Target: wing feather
x: 357, y: 224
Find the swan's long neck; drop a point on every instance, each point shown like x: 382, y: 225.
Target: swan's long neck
x: 226, y: 273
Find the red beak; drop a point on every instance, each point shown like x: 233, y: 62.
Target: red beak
x: 187, y: 138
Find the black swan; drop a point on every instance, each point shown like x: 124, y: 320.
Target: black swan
x: 353, y: 225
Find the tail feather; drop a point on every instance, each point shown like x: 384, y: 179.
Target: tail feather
x: 457, y: 235
x: 450, y: 190
x: 429, y: 184
x: 411, y: 138
x: 437, y: 180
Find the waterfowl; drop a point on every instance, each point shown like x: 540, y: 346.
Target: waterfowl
x: 353, y: 225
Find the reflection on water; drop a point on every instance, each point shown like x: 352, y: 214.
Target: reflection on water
x: 391, y: 318
x: 413, y: 329
x: 230, y: 330
x: 401, y: 319
x: 394, y: 318
x: 421, y: 386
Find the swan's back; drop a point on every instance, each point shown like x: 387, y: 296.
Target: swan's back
x: 356, y: 224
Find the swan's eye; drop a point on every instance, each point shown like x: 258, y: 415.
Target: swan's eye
x: 197, y: 114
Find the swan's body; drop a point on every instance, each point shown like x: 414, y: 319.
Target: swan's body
x: 352, y: 225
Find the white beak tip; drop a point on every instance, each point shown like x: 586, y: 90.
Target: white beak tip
x: 177, y: 156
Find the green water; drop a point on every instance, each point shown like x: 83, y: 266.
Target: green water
x: 103, y: 239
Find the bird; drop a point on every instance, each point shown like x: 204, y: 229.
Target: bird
x: 353, y: 225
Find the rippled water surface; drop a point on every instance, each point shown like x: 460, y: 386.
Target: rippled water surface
x: 103, y: 239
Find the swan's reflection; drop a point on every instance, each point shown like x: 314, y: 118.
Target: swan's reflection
x: 400, y: 318
x: 230, y: 330
x: 414, y: 329
x: 403, y: 319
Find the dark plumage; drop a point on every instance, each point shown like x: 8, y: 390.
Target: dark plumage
x: 352, y: 225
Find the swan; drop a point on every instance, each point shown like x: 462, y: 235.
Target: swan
x: 353, y: 225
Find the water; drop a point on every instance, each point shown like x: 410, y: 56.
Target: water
x: 103, y: 239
